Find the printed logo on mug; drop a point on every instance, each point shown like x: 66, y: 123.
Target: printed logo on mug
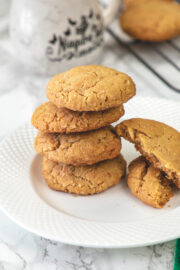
x: 52, y: 36
x: 81, y: 37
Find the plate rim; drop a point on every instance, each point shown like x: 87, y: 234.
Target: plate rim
x: 143, y: 244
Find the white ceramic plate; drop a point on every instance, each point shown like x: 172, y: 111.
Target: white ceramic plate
x: 110, y: 219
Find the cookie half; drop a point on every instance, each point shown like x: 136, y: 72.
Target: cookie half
x: 148, y: 184
x: 83, y: 180
x: 90, y: 88
x: 152, y: 20
x: 79, y: 148
x: 156, y: 141
x: 48, y: 118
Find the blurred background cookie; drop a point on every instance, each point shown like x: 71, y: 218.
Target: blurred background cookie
x: 153, y: 20
x: 128, y: 3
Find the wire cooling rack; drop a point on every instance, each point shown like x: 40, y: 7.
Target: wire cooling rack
x: 162, y: 59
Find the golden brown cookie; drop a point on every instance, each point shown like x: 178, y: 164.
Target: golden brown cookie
x: 79, y: 148
x: 148, y: 184
x: 48, y: 118
x: 90, y: 88
x: 152, y: 20
x: 158, y: 142
x: 128, y: 3
x: 83, y: 180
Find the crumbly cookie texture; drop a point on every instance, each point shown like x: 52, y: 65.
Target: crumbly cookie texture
x: 48, y: 118
x: 148, y: 184
x: 128, y: 3
x: 83, y: 180
x: 79, y: 148
x: 90, y: 88
x: 152, y: 20
x: 156, y: 141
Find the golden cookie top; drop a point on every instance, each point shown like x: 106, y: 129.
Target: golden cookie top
x: 90, y: 88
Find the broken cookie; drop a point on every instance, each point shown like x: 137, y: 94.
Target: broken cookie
x: 157, y: 142
x: 148, y: 184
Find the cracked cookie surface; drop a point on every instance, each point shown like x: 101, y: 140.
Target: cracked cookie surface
x: 83, y: 180
x: 90, y: 88
x: 148, y: 184
x: 48, y: 118
x: 152, y: 20
x: 157, y: 142
x: 79, y: 148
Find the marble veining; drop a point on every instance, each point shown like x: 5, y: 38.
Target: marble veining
x: 20, y: 249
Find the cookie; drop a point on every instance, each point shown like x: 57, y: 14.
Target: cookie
x: 148, y: 184
x: 158, y: 142
x: 48, y: 118
x: 83, y: 180
x: 152, y: 20
x: 90, y: 88
x: 128, y: 3
x: 79, y: 148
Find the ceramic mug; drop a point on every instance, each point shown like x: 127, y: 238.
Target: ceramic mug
x: 51, y: 36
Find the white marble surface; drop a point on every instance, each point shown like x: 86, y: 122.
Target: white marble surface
x: 20, y: 93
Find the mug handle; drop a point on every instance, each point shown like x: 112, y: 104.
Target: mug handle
x: 110, y: 12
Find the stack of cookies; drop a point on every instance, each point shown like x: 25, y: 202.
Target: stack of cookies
x: 80, y: 149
